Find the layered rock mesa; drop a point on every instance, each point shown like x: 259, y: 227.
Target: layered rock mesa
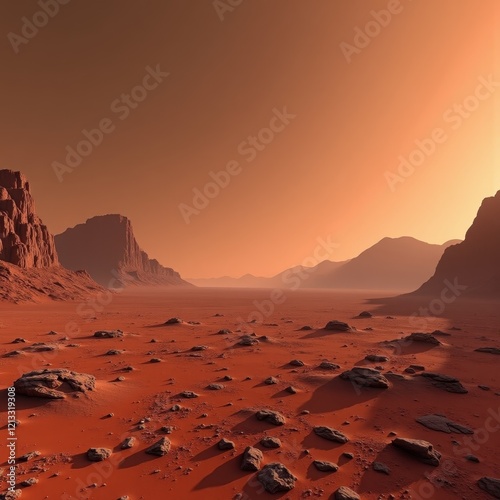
x: 29, y: 268
x: 475, y: 262
x: 24, y: 240
x: 106, y: 248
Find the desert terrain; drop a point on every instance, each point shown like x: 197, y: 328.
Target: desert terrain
x: 140, y: 378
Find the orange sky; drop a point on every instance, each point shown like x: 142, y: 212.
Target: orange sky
x: 322, y: 175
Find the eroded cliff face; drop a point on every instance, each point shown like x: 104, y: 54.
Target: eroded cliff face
x: 474, y: 263
x: 106, y: 247
x: 24, y: 240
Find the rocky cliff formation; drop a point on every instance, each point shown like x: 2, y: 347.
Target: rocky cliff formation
x: 105, y: 246
x: 474, y: 263
x: 24, y: 240
x: 29, y: 269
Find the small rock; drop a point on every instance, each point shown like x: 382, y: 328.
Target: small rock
x: 98, y: 454
x: 270, y: 442
x: 422, y: 450
x: 128, y: 443
x: 338, y: 326
x: 271, y: 381
x: 330, y: 434
x: 225, y: 444
x: 272, y: 417
x: 276, y: 478
x: 108, y: 334
x: 325, y: 466
x: 251, y: 459
x: 491, y: 485
x: 345, y: 493
x: 160, y: 448
x: 380, y: 467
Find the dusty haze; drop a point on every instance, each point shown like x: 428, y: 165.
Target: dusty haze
x: 322, y: 175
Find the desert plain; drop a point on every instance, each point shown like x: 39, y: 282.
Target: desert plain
x: 142, y: 375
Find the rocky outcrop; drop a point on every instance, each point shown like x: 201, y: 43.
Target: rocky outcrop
x: 365, y: 377
x: 473, y: 264
x: 24, y: 240
x: 422, y: 450
x: 106, y: 248
x: 47, y: 383
x: 276, y: 478
x: 29, y: 269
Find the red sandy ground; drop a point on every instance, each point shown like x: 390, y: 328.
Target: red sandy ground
x: 63, y: 430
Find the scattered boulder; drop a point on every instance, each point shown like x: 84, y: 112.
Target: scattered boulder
x: 160, y: 448
x: 98, y: 454
x: 327, y: 365
x: 366, y: 377
x: 113, y: 352
x: 443, y: 424
x: 489, y: 350
x: 375, y: 358
x: 225, y: 444
x: 251, y: 459
x: 44, y: 383
x: 189, y: 394
x: 291, y: 389
x: 108, y: 334
x: 173, y: 321
x: 271, y: 381
x: 491, y: 485
x: 365, y: 314
x: 330, y: 434
x: 270, y: 442
x: 276, y: 478
x: 128, y: 443
x: 272, y: 417
x: 199, y: 348
x: 324, y: 466
x: 445, y: 382
x: 345, y: 493
x: 215, y: 387
x: 305, y: 328
x: 426, y: 338
x: 422, y: 450
x: 380, y: 467
x: 224, y: 331
x: 247, y: 340
x: 338, y: 326
x: 296, y: 362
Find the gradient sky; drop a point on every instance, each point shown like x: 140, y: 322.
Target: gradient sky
x: 322, y: 176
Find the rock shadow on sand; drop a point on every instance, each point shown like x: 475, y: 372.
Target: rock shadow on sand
x: 337, y: 394
x: 225, y: 473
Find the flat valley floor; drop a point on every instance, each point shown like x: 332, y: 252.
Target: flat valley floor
x: 140, y: 405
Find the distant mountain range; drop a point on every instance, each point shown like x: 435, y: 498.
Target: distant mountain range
x: 399, y: 264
